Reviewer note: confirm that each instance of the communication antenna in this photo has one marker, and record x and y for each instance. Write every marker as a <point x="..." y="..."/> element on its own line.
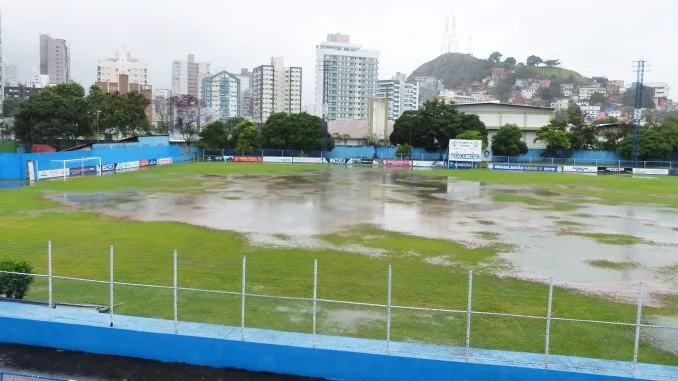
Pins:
<point x="470" y="45"/>
<point x="640" y="68"/>
<point x="444" y="47"/>
<point x="453" y="45"/>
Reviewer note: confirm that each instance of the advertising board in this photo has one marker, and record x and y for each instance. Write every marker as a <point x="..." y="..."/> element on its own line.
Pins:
<point x="651" y="171"/>
<point x="164" y="160"/>
<point x="460" y="164"/>
<point x="126" y="165"/>
<point x="277" y="159"/>
<point x="108" y="168"/>
<point x="579" y="169"/>
<point x="525" y="168"/>
<point x="248" y="159"/>
<point x="673" y="172"/>
<point x="361" y="161"/>
<point x="143" y="163"/>
<point x="397" y="163"/>
<point x="336" y="160"/>
<point x="213" y="158"/>
<point x="615" y="170"/>
<point x="152" y="162"/>
<point x="53" y="173"/>
<point x="308" y="160"/>
<point x="83" y="171"/>
<point x="465" y="150"/>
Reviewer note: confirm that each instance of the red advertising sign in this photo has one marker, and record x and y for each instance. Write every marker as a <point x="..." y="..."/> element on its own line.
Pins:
<point x="397" y="163"/>
<point x="143" y="163"/>
<point x="248" y="159"/>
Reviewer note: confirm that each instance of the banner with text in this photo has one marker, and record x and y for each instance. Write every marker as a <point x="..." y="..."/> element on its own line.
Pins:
<point x="165" y="161"/>
<point x="428" y="164"/>
<point x="460" y="165"/>
<point x="465" y="150"/>
<point x="308" y="160"/>
<point x="248" y="159"/>
<point x="579" y="169"/>
<point x="397" y="163"/>
<point x="126" y="165"/>
<point x="651" y="171"/>
<point x="611" y="170"/>
<point x="673" y="172"/>
<point x="337" y="160"/>
<point x="84" y="171"/>
<point x="277" y="159"/>
<point x="53" y="173"/>
<point x="525" y="168"/>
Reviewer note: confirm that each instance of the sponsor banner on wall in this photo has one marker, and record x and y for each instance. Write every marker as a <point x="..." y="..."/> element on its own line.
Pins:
<point x="397" y="163"/>
<point x="362" y="161"/>
<point x="53" y="173"/>
<point x="651" y="171"/>
<point x="673" y="172"/>
<point x="615" y="170"/>
<point x="308" y="160"/>
<point x="277" y="159"/>
<point x="108" y="167"/>
<point x="152" y="162"/>
<point x="580" y="169"/>
<point x="336" y="160"/>
<point x="213" y="158"/>
<point x="525" y="168"/>
<point x="227" y="158"/>
<point x="126" y="165"/>
<point x="164" y="160"/>
<point x="83" y="171"/>
<point x="428" y="164"/>
<point x="465" y="150"/>
<point x="460" y="165"/>
<point x="143" y="163"/>
<point x="248" y="159"/>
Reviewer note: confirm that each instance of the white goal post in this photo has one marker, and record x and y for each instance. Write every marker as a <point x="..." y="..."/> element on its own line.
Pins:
<point x="82" y="161"/>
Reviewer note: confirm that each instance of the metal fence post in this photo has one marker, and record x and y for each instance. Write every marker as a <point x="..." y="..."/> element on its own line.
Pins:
<point x="551" y="161"/>
<point x="548" y="325"/>
<point x="639" y="316"/>
<point x="49" y="275"/>
<point x="176" y="292"/>
<point x="111" y="285"/>
<point x="388" y="311"/>
<point x="315" y="297"/>
<point x="468" y="314"/>
<point x="242" y="306"/>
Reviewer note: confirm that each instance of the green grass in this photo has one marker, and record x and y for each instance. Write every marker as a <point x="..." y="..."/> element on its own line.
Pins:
<point x="613" y="265"/>
<point x="212" y="259"/>
<point x="486" y="222"/>
<point x="536" y="202"/>
<point x="560" y="73"/>
<point x="608" y="239"/>
<point x="569" y="223"/>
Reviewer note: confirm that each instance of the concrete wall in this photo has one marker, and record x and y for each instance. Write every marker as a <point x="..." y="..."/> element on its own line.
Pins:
<point x="281" y="359"/>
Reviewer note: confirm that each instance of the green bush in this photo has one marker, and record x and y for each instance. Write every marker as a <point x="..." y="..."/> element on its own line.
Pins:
<point x="15" y="285"/>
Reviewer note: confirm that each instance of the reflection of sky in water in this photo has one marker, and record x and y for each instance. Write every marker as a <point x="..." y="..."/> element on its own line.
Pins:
<point x="403" y="202"/>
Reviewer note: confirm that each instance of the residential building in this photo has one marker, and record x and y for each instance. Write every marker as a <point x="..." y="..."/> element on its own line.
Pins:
<point x="19" y="91"/>
<point x="585" y="92"/>
<point x="346" y="78"/>
<point x="187" y="76"/>
<point x="357" y="132"/>
<point x="401" y="96"/>
<point x="560" y="104"/>
<point x="495" y="115"/>
<point x="221" y="95"/>
<point x="38" y="80"/>
<point x="451" y="96"/>
<point x="429" y="87"/>
<point x="110" y="69"/>
<point x="245" y="78"/>
<point x="55" y="59"/>
<point x="661" y="93"/>
<point x="275" y="88"/>
<point x="591" y="113"/>
<point x="615" y="86"/>
<point x="123" y="84"/>
<point x="9" y="76"/>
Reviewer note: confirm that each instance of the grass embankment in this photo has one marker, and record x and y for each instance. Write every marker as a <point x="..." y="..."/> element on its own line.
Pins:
<point x="426" y="273"/>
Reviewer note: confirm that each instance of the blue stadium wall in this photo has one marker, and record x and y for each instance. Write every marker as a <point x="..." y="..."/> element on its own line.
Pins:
<point x="280" y="359"/>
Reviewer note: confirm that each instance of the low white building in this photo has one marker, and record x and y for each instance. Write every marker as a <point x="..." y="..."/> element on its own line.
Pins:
<point x="495" y="115"/>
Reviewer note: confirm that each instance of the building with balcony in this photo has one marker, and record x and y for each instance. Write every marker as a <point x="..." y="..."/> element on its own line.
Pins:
<point x="221" y="95"/>
<point x="187" y="76"/>
<point x="401" y="96"/>
<point x="275" y="88"/>
<point x="110" y="69"/>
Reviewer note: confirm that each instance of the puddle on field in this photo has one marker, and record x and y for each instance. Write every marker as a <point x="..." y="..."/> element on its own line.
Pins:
<point x="291" y="210"/>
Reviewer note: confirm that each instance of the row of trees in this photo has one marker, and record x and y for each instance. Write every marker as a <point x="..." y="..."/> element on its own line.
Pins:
<point x="281" y="131"/>
<point x="62" y="115"/>
<point x="533" y="60"/>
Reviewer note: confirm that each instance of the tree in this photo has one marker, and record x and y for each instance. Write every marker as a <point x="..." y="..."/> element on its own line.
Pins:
<point x="433" y="125"/>
<point x="552" y="63"/>
<point x="162" y="109"/>
<point x="472" y="135"/>
<point x="556" y="139"/>
<point x="15" y="285"/>
<point x="404" y="150"/>
<point x="510" y="61"/>
<point x="246" y="136"/>
<point x="296" y="131"/>
<point x="495" y="57"/>
<point x="10" y="105"/>
<point x="187" y="109"/>
<point x="600" y="99"/>
<point x="534" y="61"/>
<point x="509" y="141"/>
<point x="219" y="134"/>
<point x="669" y="130"/>
<point x="582" y="136"/>
<point x="653" y="145"/>
<point x="552" y="92"/>
<point x="648" y="95"/>
<point x="57" y="115"/>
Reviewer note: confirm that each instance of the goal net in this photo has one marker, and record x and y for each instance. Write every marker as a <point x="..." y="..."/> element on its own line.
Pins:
<point x="80" y="167"/>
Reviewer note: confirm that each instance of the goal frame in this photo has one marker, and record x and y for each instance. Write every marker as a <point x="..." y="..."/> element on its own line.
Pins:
<point x="82" y="161"/>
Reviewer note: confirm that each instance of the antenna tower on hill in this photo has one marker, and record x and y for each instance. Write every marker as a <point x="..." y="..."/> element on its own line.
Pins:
<point x="450" y="44"/>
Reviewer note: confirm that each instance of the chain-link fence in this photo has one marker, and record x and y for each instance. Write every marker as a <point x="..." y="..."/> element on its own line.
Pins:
<point x="574" y="161"/>
<point x="626" y="328"/>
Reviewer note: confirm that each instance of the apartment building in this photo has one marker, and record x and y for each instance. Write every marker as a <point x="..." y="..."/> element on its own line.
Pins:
<point x="221" y="95"/>
<point x="275" y="88"/>
<point x="245" y="78"/>
<point x="9" y="74"/>
<point x="188" y="75"/>
<point x="110" y="69"/>
<point x="55" y="59"/>
<point x="346" y="77"/>
<point x="123" y="84"/>
<point x="401" y="96"/>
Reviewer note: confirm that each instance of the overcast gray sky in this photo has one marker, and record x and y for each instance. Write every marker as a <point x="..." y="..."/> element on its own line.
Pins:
<point x="593" y="37"/>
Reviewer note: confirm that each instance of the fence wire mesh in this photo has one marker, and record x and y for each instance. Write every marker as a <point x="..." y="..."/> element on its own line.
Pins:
<point x="538" y="322"/>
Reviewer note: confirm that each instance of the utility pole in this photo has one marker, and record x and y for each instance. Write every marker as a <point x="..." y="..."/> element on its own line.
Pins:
<point x="637" y="108"/>
<point x="326" y="83"/>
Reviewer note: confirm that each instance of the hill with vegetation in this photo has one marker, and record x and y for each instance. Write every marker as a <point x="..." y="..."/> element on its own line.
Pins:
<point x="455" y="69"/>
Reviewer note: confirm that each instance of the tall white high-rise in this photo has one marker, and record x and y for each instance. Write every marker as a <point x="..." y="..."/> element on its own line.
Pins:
<point x="221" y="95"/>
<point x="350" y="73"/>
<point x="109" y="69"/>
<point x="187" y="76"/>
<point x="55" y="59"/>
<point x="9" y="75"/>
<point x="245" y="78"/>
<point x="401" y="96"/>
<point x="275" y="88"/>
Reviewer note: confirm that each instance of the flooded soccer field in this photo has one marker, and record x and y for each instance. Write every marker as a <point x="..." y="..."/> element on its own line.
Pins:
<point x="513" y="232"/>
